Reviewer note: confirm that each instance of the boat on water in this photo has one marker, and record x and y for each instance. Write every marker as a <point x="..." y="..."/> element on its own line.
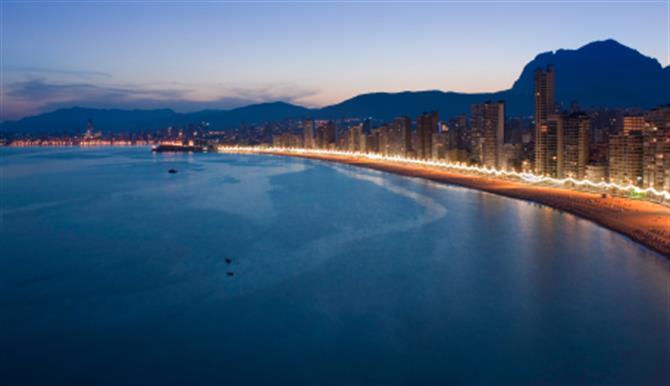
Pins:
<point x="177" y="148"/>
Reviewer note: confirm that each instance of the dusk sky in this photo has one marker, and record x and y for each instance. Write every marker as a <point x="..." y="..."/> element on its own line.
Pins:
<point x="190" y="56"/>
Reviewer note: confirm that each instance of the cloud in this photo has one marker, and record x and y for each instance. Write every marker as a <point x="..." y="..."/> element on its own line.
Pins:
<point x="42" y="90"/>
<point x="57" y="71"/>
<point x="41" y="95"/>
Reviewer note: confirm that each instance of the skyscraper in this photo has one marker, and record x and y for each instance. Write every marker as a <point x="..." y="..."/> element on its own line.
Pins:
<point x="426" y="125"/>
<point x="659" y="117"/>
<point x="308" y="133"/>
<point x="625" y="158"/>
<point x="89" y="134"/>
<point x="488" y="119"/>
<point x="384" y="140"/>
<point x="656" y="148"/>
<point x="325" y="135"/>
<point x="575" y="145"/>
<point x="356" y="138"/>
<point x="544" y="106"/>
<point x="656" y="158"/>
<point x="633" y="122"/>
<point x="552" y="132"/>
<point x="400" y="136"/>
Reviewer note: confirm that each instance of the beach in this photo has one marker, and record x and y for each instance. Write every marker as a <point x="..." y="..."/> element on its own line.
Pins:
<point x="643" y="221"/>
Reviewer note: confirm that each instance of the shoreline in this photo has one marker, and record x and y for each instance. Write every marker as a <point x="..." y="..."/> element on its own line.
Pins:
<point x="645" y="222"/>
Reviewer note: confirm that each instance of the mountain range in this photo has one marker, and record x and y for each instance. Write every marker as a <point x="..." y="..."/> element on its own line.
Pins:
<point x="599" y="74"/>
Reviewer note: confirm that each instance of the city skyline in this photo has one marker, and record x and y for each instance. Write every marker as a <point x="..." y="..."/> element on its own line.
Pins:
<point x="357" y="192"/>
<point x="308" y="54"/>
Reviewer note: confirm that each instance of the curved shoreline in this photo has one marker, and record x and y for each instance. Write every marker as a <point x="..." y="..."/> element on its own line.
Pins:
<point x="644" y="222"/>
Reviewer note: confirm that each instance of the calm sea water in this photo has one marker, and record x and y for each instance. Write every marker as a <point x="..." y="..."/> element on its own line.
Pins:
<point x="113" y="271"/>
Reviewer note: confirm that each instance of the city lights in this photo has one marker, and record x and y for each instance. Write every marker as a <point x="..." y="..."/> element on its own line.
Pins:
<point x="526" y="177"/>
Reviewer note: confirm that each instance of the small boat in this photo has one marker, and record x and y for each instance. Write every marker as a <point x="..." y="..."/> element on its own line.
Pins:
<point x="229" y="273"/>
<point x="172" y="171"/>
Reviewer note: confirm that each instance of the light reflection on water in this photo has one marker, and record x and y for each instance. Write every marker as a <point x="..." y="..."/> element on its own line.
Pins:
<point x="341" y="275"/>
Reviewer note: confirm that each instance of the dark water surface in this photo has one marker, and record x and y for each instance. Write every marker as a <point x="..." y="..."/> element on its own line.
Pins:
<point x="113" y="271"/>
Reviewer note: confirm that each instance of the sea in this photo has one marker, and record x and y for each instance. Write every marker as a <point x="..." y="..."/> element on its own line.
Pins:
<point x="258" y="269"/>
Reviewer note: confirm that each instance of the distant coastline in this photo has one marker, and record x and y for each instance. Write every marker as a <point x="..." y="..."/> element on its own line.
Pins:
<point x="645" y="222"/>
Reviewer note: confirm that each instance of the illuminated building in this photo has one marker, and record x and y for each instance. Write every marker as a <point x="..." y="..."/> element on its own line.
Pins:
<point x="384" y="141"/>
<point x="488" y="121"/>
<point x="549" y="139"/>
<point x="367" y="126"/>
<point x="575" y="145"/>
<point x="440" y="145"/>
<point x="625" y="158"/>
<point x="286" y="140"/>
<point x="659" y="117"/>
<point x="90" y="134"/>
<point x="400" y="136"/>
<point x="308" y="133"/>
<point x="356" y="138"/>
<point x="426" y="124"/>
<point x="633" y="122"/>
<point x="89" y="129"/>
<point x="656" y="158"/>
<point x="511" y="156"/>
<point x="524" y="176"/>
<point x="372" y="142"/>
<point x="325" y="135"/>
<point x="544" y="106"/>
<point x="596" y="172"/>
<point x="656" y="148"/>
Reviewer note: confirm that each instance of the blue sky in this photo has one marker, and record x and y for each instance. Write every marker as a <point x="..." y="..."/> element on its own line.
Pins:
<point x="190" y="56"/>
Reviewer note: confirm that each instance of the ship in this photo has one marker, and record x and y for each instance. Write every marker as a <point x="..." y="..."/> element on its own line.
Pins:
<point x="178" y="148"/>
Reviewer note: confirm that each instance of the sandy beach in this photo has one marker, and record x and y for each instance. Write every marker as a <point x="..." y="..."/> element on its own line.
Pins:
<point x="643" y="221"/>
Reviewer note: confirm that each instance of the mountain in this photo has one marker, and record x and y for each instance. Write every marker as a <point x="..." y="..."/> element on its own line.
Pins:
<point x="599" y="74"/>
<point x="261" y="112"/>
<point x="411" y="103"/>
<point x="74" y="119"/>
<point x="603" y="73"/>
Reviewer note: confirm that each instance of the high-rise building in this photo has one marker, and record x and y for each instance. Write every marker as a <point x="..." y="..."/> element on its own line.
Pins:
<point x="549" y="147"/>
<point x="545" y="105"/>
<point x="440" y="145"/>
<point x="488" y="119"/>
<point x="356" y="138"/>
<point x="633" y="122"/>
<point x="656" y="148"/>
<point x="625" y="158"/>
<point x="90" y="132"/>
<point x="287" y="140"/>
<point x="512" y="156"/>
<point x="372" y="141"/>
<point x="325" y="135"/>
<point x="575" y="145"/>
<point x="659" y="117"/>
<point x="89" y="129"/>
<point x="384" y="140"/>
<point x="656" y="158"/>
<point x="308" y="133"/>
<point x="596" y="172"/>
<point x="367" y="126"/>
<point x="400" y="136"/>
<point x="426" y="124"/>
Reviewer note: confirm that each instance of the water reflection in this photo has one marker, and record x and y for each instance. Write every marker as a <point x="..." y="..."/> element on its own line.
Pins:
<point x="341" y="275"/>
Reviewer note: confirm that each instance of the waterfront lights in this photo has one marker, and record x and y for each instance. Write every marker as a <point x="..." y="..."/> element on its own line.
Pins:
<point x="524" y="176"/>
